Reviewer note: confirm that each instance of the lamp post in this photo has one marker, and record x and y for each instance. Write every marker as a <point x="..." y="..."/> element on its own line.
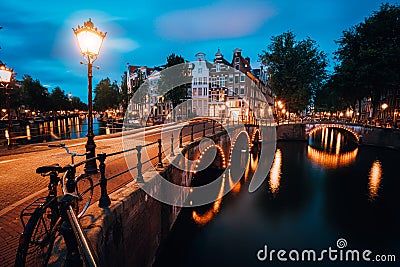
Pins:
<point x="384" y="106"/>
<point x="90" y="41"/>
<point x="5" y="78"/>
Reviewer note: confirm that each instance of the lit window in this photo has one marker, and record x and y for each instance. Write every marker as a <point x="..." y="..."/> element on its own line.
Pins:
<point x="242" y="90"/>
<point x="221" y="96"/>
<point x="213" y="81"/>
<point x="222" y="81"/>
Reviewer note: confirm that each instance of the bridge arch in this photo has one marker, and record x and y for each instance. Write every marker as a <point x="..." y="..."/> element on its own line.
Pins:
<point x="220" y="151"/>
<point x="243" y="132"/>
<point x="256" y="135"/>
<point x="336" y="126"/>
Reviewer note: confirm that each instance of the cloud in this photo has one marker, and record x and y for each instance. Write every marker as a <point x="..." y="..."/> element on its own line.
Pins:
<point x="225" y="19"/>
<point x="121" y="44"/>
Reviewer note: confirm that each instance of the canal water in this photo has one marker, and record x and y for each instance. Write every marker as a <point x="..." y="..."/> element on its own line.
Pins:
<point x="327" y="194"/>
<point x="58" y="129"/>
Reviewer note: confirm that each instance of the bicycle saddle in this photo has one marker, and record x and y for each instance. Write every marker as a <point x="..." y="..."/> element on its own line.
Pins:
<point x="49" y="168"/>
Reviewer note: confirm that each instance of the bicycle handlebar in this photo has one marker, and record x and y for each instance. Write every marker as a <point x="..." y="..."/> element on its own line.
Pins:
<point x="68" y="151"/>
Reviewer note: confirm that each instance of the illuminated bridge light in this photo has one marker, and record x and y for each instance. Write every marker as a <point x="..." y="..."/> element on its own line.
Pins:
<point x="323" y="127"/>
<point x="253" y="137"/>
<point x="219" y="148"/>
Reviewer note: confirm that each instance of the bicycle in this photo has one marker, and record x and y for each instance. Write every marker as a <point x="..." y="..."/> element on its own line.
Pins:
<point x="84" y="183"/>
<point x="48" y="216"/>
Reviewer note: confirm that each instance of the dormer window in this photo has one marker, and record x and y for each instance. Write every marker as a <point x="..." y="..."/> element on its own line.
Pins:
<point x="237" y="60"/>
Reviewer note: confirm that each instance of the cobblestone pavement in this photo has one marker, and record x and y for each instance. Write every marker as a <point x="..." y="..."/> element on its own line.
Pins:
<point x="20" y="185"/>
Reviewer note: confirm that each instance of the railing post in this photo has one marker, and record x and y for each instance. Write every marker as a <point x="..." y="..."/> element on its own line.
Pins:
<point x="160" y="164"/>
<point x="104" y="201"/>
<point x="213" y="129"/>
<point x="180" y="138"/>
<point x="139" y="165"/>
<point x="191" y="134"/>
<point x="172" y="146"/>
<point x="204" y="128"/>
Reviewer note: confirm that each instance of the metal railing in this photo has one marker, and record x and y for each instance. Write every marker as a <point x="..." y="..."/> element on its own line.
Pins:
<point x="188" y="133"/>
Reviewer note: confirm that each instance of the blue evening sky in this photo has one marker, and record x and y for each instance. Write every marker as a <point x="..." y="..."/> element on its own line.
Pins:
<point x="37" y="37"/>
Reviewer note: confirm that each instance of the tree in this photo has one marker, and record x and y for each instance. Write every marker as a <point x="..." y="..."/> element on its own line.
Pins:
<point x="125" y="97"/>
<point x="37" y="96"/>
<point x="167" y="80"/>
<point x="297" y="69"/>
<point x="106" y="95"/>
<point x="328" y="98"/>
<point x="369" y="57"/>
<point x="59" y="100"/>
<point x="76" y="103"/>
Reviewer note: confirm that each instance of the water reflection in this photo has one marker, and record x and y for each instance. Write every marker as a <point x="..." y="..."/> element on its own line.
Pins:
<point x="330" y="148"/>
<point x="204" y="218"/>
<point x="28" y="132"/>
<point x="275" y="173"/>
<point x="57" y="129"/>
<point x="328" y="160"/>
<point x="235" y="188"/>
<point x="375" y="176"/>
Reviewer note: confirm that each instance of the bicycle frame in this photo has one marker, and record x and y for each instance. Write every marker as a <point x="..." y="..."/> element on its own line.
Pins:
<point x="63" y="220"/>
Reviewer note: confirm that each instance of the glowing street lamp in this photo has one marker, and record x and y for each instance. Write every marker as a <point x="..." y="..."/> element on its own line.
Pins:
<point x="384" y="106"/>
<point x="5" y="75"/>
<point x="5" y="79"/>
<point x="90" y="41"/>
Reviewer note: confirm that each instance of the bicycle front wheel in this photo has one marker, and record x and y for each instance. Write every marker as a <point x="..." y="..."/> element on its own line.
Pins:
<point x="36" y="242"/>
<point x="83" y="190"/>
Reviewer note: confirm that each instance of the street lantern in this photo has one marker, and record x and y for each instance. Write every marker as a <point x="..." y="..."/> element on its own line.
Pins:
<point x="384" y="106"/>
<point x="90" y="41"/>
<point x="5" y="75"/>
<point x="5" y="79"/>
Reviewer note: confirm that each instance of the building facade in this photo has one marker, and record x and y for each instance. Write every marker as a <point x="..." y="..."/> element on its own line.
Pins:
<point x="200" y="85"/>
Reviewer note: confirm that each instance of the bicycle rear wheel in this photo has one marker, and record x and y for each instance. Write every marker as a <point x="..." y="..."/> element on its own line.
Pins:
<point x="36" y="242"/>
<point x="84" y="191"/>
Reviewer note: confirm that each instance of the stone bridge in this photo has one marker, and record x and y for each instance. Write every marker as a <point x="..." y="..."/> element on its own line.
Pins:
<point x="364" y="135"/>
<point x="355" y="130"/>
